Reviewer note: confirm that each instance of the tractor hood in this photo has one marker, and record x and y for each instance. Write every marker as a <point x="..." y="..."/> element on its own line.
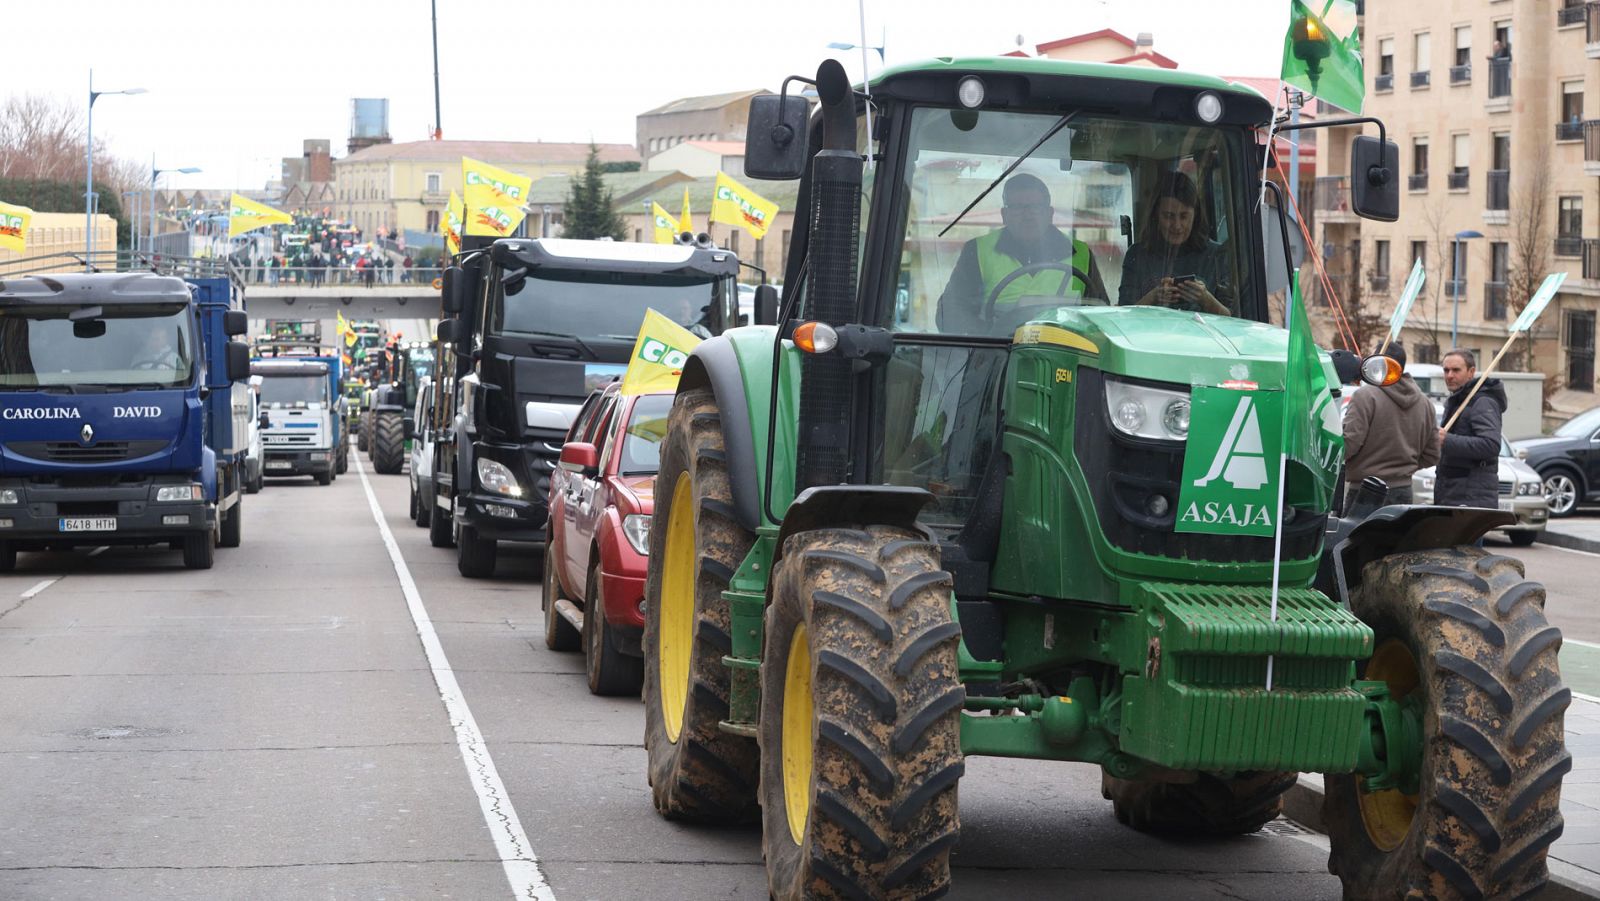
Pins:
<point x="1165" y="345"/>
<point x="143" y="431"/>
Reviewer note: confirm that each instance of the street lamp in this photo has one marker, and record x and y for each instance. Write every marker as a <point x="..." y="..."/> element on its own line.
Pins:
<point x="88" y="188"/>
<point x="1459" y="281"/>
<point x="544" y="221"/>
<point x="155" y="175"/>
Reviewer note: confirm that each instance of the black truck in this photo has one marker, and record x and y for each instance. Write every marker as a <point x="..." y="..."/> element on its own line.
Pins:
<point x="533" y="325"/>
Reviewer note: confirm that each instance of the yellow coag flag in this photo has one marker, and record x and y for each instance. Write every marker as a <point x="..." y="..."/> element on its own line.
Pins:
<point x="494" y="198"/>
<point x="666" y="227"/>
<point x="450" y="225"/>
<point x="686" y="221"/>
<point x="341" y="327"/>
<point x="736" y="204"/>
<point x="658" y="356"/>
<point x="14" y="226"/>
<point x="245" y="215"/>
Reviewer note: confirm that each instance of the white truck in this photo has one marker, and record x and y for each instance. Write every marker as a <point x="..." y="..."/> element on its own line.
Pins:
<point x="302" y="419"/>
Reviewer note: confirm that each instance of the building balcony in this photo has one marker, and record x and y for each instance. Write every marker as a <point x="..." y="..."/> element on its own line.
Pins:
<point x="1569" y="246"/>
<point x="1571" y="14"/>
<point x="1461" y="74"/>
<point x="1569" y="131"/>
<point x="1499" y="86"/>
<point x="1455" y="289"/>
<point x="1497" y="201"/>
<point x="1383" y="84"/>
<point x="1591" y="29"/>
<point x="1421" y="79"/>
<point x="1494" y="301"/>
<point x="1378" y="284"/>
<point x="1458" y="180"/>
<point x="1591" y="147"/>
<point x="1418" y="181"/>
<point x="1331" y="199"/>
<point x="1591" y="259"/>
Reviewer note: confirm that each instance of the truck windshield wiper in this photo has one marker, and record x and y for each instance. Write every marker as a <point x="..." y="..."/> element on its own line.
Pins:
<point x="1049" y="133"/>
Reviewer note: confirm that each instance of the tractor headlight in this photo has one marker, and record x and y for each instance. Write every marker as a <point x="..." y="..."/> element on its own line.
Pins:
<point x="636" y="527"/>
<point x="495" y="477"/>
<point x="1146" y="412"/>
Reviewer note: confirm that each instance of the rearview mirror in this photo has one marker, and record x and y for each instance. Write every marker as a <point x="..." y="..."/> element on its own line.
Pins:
<point x="453" y="294"/>
<point x="775" y="138"/>
<point x="238" y="361"/>
<point x="235" y="322"/>
<point x="579" y="457"/>
<point x="766" y="305"/>
<point x="448" y="331"/>
<point x="1374" y="186"/>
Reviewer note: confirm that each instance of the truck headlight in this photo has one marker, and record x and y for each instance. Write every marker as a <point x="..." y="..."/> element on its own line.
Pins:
<point x="636" y="526"/>
<point x="1147" y="412"/>
<point x="496" y="477"/>
<point x="9" y="496"/>
<point x="179" y="493"/>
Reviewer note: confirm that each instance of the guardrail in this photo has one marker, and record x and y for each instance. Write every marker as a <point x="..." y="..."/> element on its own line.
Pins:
<point x="1499" y="183"/>
<point x="1591" y="258"/>
<point x="314" y="276"/>
<point x="1461" y="74"/>
<point x="1569" y="131"/>
<point x="1421" y="79"/>
<point x="1569" y="246"/>
<point x="1383" y="83"/>
<point x="1571" y="14"/>
<point x="1458" y="181"/>
<point x="1499" y="78"/>
<point x="1418" y="181"/>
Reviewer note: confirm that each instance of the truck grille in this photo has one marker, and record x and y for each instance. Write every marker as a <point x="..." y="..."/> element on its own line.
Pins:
<point x="73" y="452"/>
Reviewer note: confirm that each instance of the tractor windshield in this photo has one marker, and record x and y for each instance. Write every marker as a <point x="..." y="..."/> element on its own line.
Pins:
<point x="1104" y="212"/>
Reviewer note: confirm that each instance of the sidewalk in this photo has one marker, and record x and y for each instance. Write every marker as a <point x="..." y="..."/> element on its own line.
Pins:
<point x="1575" y="857"/>
<point x="1580" y="533"/>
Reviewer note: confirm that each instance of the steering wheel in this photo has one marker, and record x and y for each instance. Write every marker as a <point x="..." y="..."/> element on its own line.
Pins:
<point x="990" y="302"/>
<point x="153" y="364"/>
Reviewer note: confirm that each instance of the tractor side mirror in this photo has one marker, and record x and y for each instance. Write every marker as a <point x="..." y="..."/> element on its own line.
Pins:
<point x="766" y="305"/>
<point x="238" y="361"/>
<point x="447" y="330"/>
<point x="580" y="457"/>
<point x="1374" y="184"/>
<point x="235" y="322"/>
<point x="453" y="294"/>
<point x="775" y="139"/>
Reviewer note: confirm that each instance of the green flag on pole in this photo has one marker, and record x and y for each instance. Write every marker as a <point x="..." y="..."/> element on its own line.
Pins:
<point x="1312" y="434"/>
<point x="1322" y="52"/>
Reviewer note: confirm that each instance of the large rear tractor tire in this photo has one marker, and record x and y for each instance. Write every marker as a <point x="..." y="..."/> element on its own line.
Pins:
<point x="1210" y="805"/>
<point x="363" y="426"/>
<point x="697" y="771"/>
<point x="860" y="727"/>
<point x="388" y="443"/>
<point x="233" y="526"/>
<point x="610" y="671"/>
<point x="1462" y="634"/>
<point x="558" y="633"/>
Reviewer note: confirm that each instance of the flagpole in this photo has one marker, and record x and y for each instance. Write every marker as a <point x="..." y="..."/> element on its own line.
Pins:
<point x="1277" y="551"/>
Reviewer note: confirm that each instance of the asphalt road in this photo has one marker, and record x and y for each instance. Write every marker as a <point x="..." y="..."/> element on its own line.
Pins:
<point x="274" y="728"/>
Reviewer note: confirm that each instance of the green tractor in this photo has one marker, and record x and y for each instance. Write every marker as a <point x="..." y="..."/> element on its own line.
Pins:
<point x="390" y="416"/>
<point x="1005" y="481"/>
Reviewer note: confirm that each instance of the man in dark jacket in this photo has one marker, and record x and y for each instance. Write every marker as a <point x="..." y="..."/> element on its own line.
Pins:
<point x="1390" y="433"/>
<point x="1469" y="453"/>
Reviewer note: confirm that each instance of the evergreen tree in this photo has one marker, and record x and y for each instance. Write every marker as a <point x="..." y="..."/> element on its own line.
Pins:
<point x="588" y="212"/>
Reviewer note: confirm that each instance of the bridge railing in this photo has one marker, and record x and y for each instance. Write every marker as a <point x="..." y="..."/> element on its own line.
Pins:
<point x="326" y="276"/>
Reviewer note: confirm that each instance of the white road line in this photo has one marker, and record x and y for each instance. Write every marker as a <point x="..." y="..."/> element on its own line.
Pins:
<point x="1590" y="698"/>
<point x="1587" y="644"/>
<point x="516" y="854"/>
<point x="1572" y="550"/>
<point x="31" y="593"/>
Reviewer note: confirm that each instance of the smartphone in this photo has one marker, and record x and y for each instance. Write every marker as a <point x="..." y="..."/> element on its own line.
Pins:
<point x="1180" y="279"/>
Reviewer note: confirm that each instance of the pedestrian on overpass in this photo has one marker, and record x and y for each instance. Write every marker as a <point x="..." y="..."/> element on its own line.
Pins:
<point x="1469" y="455"/>
<point x="1390" y="433"/>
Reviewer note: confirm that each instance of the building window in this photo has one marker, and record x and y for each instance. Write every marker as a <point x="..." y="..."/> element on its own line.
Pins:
<point x="1419" y="164"/>
<point x="1569" y="226"/>
<point x="733" y="241"/>
<point x="434" y="180"/>
<point x="1419" y="253"/>
<point x="1460" y="160"/>
<point x="1494" y="293"/>
<point x="1463" y="45"/>
<point x="785" y="248"/>
<point x="1426" y="353"/>
<point x="1579" y="345"/>
<point x="1386" y="56"/>
<point x="1380" y="259"/>
<point x="433" y="221"/>
<point x="638" y="236"/>
<point x="1421" y="59"/>
<point x="1571" y="111"/>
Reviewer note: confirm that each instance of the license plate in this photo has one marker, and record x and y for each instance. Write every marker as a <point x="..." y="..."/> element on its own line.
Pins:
<point x="279" y="464"/>
<point x="88" y="524"/>
<point x="1505" y="505"/>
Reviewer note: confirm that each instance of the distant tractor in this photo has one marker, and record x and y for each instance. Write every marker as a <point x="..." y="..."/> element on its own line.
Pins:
<point x="394" y="400"/>
<point x="1004" y="481"/>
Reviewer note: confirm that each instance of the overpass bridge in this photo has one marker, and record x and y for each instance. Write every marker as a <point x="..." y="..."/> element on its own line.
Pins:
<point x="354" y="301"/>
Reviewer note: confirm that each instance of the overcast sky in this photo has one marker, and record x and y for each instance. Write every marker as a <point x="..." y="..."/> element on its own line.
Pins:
<point x="236" y="84"/>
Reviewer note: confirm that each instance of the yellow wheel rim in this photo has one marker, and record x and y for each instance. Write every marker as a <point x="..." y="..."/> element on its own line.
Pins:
<point x="797" y="734"/>
<point x="676" y="635"/>
<point x="1387" y="815"/>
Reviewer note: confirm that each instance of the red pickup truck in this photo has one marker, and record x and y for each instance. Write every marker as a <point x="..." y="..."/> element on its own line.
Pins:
<point x="601" y="498"/>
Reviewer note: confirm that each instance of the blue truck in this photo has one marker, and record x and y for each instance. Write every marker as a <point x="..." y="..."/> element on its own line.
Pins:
<point x="119" y="420"/>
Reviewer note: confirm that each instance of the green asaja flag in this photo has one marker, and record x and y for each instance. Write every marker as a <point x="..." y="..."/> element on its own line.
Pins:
<point x="1312" y="434"/>
<point x="1322" y="52"/>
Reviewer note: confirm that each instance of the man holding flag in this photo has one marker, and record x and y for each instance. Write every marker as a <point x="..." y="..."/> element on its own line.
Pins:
<point x="1470" y="449"/>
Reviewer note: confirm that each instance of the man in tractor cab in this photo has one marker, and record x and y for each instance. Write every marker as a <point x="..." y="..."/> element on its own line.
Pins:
<point x="1028" y="237"/>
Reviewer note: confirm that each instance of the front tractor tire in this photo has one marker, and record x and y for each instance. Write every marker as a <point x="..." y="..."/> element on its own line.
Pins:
<point x="388" y="442"/>
<point x="697" y="771"/>
<point x="860" y="730"/>
<point x="1462" y="631"/>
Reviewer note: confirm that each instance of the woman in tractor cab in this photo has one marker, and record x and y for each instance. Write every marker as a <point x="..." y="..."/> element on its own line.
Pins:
<point x="1176" y="265"/>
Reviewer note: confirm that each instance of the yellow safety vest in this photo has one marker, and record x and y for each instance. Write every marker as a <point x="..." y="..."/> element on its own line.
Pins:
<point x="995" y="264"/>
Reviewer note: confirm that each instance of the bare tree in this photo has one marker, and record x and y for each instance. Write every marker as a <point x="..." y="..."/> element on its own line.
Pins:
<point x="42" y="138"/>
<point x="1530" y="247"/>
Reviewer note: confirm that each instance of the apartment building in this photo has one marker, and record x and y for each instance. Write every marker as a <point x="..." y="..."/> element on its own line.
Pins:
<point x="1492" y="104"/>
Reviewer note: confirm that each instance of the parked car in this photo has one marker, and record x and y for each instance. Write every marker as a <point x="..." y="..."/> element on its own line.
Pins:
<point x="421" y="469"/>
<point x="1521" y="492"/>
<point x="1568" y="461"/>
<point x="601" y="498"/>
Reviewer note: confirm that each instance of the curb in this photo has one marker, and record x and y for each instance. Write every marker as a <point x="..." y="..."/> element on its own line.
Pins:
<point x="1568" y="540"/>
<point x="1302" y="803"/>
